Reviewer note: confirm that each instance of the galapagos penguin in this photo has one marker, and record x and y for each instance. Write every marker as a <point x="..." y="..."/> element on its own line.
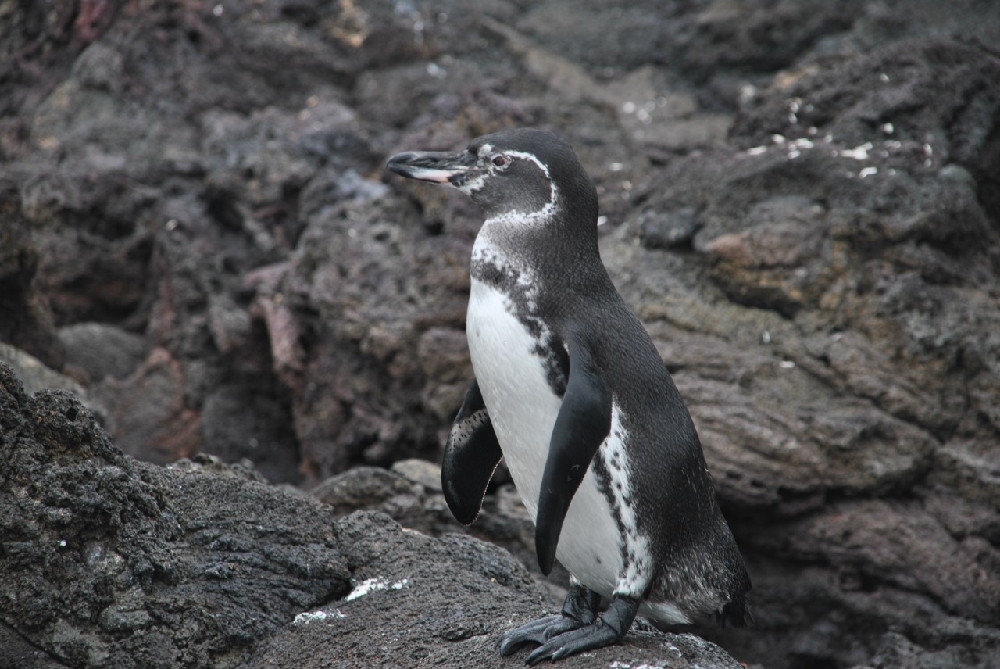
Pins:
<point x="571" y="392"/>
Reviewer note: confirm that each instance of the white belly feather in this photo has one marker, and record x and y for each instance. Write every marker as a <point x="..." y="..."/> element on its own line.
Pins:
<point x="523" y="409"/>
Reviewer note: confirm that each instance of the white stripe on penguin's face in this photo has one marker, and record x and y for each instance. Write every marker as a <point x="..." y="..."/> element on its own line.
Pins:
<point x="515" y="217"/>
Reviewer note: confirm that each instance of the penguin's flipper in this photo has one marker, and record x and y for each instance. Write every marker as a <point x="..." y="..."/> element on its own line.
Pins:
<point x="470" y="457"/>
<point x="583" y="422"/>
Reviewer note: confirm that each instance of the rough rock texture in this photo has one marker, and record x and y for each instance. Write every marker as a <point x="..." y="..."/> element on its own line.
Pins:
<point x="106" y="561"/>
<point x="801" y="199"/>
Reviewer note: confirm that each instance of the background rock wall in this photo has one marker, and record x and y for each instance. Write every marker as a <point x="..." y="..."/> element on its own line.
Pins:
<point x="800" y="199"/>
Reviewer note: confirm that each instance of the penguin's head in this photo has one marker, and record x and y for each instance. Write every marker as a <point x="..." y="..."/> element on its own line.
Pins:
<point x="522" y="174"/>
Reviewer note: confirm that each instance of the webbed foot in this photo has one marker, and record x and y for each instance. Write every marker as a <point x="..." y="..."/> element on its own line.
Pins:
<point x="579" y="610"/>
<point x="609" y="628"/>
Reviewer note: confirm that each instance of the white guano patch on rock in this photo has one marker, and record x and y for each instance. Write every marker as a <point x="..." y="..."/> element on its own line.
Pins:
<point x="370" y="585"/>
<point x="316" y="616"/>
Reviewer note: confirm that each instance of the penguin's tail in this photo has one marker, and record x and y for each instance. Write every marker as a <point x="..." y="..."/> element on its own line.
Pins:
<point x="736" y="613"/>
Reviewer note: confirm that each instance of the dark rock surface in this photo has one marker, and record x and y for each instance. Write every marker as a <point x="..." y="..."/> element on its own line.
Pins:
<point x="801" y="200"/>
<point x="106" y="561"/>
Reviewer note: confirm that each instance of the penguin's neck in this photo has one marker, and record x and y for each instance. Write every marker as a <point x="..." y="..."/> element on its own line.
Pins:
<point x="509" y="250"/>
<point x="499" y="261"/>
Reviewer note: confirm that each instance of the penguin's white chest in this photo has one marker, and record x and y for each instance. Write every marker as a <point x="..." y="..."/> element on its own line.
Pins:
<point x="523" y="409"/>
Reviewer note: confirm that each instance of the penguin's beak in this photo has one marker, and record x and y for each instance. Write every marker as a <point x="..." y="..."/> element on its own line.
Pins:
<point x="433" y="166"/>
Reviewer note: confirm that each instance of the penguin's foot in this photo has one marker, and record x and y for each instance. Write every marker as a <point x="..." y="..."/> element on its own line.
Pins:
<point x="579" y="610"/>
<point x="610" y="627"/>
<point x="537" y="632"/>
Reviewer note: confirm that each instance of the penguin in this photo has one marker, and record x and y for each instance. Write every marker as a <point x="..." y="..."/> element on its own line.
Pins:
<point x="570" y="391"/>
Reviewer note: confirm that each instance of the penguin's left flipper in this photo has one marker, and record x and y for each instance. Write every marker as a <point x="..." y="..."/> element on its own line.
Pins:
<point x="470" y="457"/>
<point x="583" y="422"/>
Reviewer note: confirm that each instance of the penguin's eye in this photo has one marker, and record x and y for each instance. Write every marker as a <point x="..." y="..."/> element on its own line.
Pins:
<point x="501" y="160"/>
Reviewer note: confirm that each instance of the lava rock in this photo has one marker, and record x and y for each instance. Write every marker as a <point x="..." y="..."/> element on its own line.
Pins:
<point x="108" y="561"/>
<point x="96" y="351"/>
<point x="828" y="309"/>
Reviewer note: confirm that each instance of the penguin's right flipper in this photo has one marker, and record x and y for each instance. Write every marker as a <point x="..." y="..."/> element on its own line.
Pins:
<point x="470" y="457"/>
<point x="583" y="422"/>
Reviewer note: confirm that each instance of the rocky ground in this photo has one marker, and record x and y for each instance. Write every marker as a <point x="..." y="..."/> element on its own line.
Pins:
<point x="800" y="199"/>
